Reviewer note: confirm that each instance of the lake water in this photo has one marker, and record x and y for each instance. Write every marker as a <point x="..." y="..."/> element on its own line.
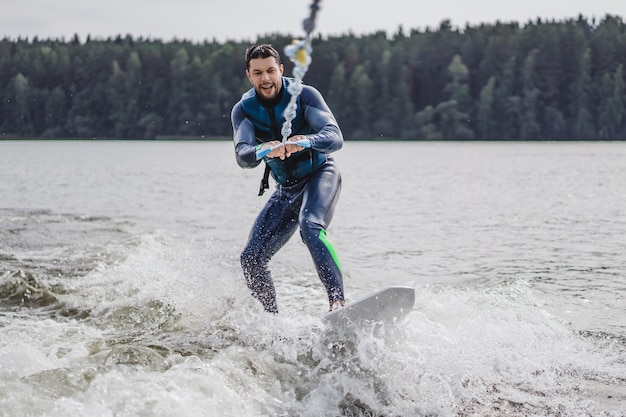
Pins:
<point x="121" y="292"/>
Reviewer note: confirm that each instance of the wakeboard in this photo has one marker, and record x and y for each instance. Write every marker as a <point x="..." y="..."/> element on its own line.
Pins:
<point x="385" y="305"/>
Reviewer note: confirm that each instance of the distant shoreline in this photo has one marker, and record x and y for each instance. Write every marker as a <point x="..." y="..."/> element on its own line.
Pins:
<point x="224" y="139"/>
<point x="157" y="139"/>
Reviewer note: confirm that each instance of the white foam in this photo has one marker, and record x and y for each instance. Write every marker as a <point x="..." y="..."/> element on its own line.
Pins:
<point x="173" y="331"/>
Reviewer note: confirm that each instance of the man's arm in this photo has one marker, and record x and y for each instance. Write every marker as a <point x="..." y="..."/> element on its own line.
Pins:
<point x="328" y="137"/>
<point x="244" y="139"/>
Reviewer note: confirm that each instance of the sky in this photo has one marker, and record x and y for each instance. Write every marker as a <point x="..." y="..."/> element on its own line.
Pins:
<point x="244" y="20"/>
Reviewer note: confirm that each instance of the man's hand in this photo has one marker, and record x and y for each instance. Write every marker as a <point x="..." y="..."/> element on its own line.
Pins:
<point x="292" y="147"/>
<point x="273" y="149"/>
<point x="276" y="149"/>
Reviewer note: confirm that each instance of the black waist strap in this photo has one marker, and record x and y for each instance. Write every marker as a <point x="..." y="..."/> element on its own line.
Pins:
<point x="265" y="181"/>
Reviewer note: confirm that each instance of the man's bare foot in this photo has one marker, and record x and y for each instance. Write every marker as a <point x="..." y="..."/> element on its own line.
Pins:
<point x="337" y="304"/>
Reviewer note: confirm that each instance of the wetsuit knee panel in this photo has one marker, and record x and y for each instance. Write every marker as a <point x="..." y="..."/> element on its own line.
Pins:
<point x="309" y="229"/>
<point x="314" y="236"/>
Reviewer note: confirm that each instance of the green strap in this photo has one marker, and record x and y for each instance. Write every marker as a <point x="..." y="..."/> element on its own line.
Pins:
<point x="330" y="247"/>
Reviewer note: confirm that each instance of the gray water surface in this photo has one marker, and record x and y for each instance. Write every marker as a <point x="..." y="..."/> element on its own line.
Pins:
<point x="121" y="292"/>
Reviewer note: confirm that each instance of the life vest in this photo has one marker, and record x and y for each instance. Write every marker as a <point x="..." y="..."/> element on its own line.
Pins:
<point x="268" y="120"/>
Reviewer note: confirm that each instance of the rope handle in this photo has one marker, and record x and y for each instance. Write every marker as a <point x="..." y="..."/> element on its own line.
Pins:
<point x="263" y="152"/>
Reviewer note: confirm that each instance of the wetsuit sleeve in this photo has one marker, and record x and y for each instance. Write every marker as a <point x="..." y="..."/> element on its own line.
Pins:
<point x="243" y="137"/>
<point x="328" y="137"/>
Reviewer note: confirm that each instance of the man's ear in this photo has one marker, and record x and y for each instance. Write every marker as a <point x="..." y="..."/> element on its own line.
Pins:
<point x="248" y="75"/>
<point x="282" y="69"/>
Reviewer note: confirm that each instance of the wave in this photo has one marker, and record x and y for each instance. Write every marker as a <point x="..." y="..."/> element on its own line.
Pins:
<point x="20" y="288"/>
<point x="168" y="327"/>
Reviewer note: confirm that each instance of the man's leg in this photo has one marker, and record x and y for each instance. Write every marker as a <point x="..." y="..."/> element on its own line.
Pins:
<point x="275" y="224"/>
<point x="318" y="206"/>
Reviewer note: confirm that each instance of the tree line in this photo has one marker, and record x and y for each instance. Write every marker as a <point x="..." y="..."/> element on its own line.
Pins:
<point x="544" y="80"/>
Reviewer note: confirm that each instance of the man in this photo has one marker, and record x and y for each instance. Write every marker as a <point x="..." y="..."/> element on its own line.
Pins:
<point x="308" y="180"/>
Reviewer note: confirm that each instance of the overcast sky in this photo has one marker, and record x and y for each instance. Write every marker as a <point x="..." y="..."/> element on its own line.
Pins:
<point x="199" y="20"/>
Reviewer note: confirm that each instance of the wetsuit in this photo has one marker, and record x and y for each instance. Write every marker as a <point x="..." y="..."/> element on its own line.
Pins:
<point x="308" y="187"/>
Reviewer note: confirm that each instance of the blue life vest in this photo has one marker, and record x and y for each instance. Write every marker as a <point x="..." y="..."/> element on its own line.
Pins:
<point x="268" y="120"/>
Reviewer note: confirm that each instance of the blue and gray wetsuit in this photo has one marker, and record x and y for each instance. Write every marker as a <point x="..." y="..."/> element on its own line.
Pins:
<point x="308" y="187"/>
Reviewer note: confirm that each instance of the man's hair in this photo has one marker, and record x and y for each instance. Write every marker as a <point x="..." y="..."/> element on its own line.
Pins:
<point x="264" y="50"/>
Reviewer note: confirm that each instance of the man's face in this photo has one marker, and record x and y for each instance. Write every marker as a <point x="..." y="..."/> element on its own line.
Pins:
<point x="265" y="75"/>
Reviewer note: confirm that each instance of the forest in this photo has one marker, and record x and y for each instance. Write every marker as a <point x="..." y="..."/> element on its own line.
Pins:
<point x="541" y="80"/>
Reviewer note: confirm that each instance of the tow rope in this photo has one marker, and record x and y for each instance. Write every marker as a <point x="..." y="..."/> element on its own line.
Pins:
<point x="299" y="52"/>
